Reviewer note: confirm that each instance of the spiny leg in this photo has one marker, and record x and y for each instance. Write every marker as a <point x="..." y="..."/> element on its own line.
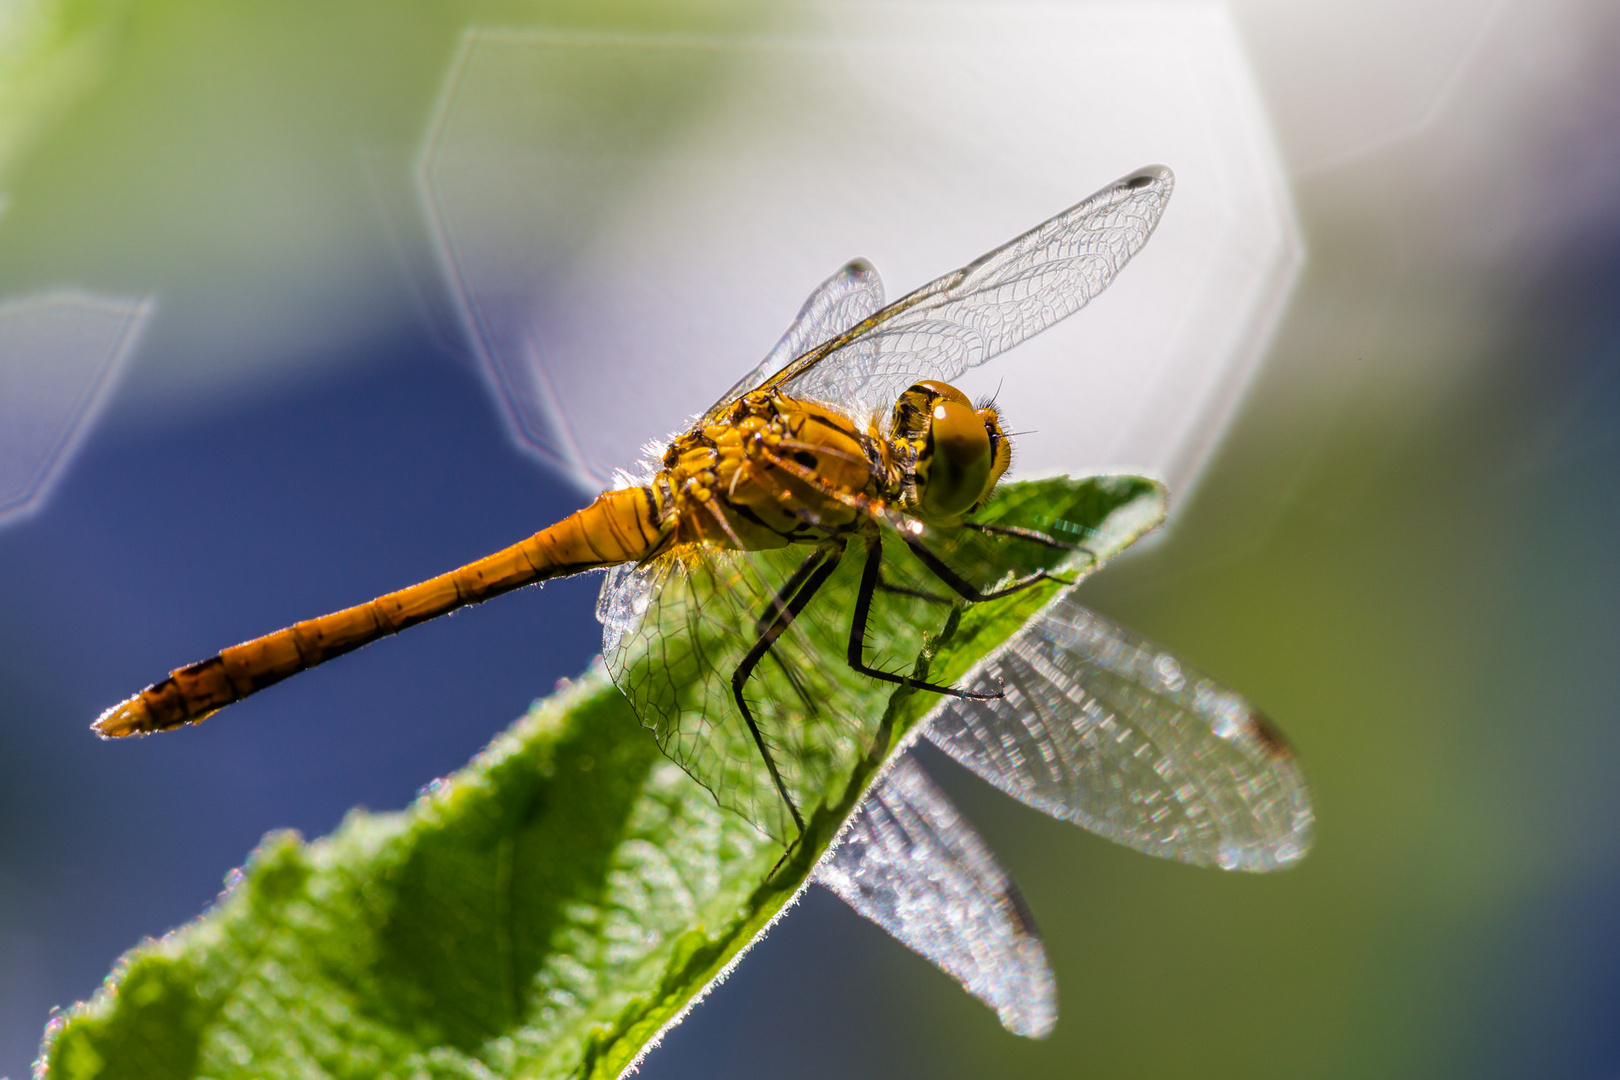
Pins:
<point x="784" y="595"/>
<point x="965" y="589"/>
<point x="811" y="709"/>
<point x="884" y="586"/>
<point x="857" y="633"/>
<point x="1034" y="536"/>
<point x="826" y="562"/>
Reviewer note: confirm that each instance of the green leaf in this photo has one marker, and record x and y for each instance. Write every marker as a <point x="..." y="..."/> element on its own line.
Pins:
<point x="545" y="912"/>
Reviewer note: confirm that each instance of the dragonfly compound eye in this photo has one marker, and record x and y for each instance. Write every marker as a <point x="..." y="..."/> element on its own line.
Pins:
<point x="955" y="462"/>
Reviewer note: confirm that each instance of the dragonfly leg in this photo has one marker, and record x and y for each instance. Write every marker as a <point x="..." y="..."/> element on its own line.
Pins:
<point x="820" y="566"/>
<point x="904" y="590"/>
<point x="1034" y="536"/>
<point x="857" y="634"/>
<point x="810" y="707"/>
<point x="778" y="605"/>
<point x="784" y="595"/>
<point x="965" y="589"/>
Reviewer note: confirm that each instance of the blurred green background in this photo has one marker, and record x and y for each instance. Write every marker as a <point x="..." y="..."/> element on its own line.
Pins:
<point x="1404" y="551"/>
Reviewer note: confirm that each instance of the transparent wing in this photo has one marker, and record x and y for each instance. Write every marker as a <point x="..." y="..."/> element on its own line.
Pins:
<point x="989" y="305"/>
<point x="911" y="864"/>
<point x="675" y="632"/>
<point x="844" y="299"/>
<point x="1104" y="729"/>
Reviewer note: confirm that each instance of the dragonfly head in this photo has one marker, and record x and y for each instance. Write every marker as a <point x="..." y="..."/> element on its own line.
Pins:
<point x="959" y="452"/>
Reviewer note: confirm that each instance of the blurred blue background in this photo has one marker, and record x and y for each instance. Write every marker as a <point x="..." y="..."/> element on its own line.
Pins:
<point x="1404" y="551"/>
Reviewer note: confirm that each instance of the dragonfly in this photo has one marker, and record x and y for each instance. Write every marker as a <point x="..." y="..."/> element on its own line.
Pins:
<point x="770" y="570"/>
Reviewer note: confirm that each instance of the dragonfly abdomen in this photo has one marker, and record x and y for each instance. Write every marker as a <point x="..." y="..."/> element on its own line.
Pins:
<point x="618" y="527"/>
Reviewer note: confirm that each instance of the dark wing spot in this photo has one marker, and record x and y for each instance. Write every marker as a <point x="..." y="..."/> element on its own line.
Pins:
<point x="1019" y="910"/>
<point x="1267" y="732"/>
<point x="1134" y="183"/>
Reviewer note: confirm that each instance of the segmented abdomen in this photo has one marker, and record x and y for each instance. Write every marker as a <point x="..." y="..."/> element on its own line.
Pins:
<point x="619" y="526"/>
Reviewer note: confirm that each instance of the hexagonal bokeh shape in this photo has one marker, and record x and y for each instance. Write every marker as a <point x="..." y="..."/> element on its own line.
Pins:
<point x="628" y="223"/>
<point x="59" y="355"/>
<point x="1332" y="111"/>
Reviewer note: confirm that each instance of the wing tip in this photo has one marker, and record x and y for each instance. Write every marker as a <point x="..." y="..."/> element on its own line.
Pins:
<point x="1269" y="736"/>
<point x="1146" y="176"/>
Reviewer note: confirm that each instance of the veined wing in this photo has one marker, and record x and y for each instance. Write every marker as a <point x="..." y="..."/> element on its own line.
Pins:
<point x="1104" y="729"/>
<point x="910" y="863"/>
<point x="986" y="307"/>
<point x="675" y="631"/>
<point x="851" y="294"/>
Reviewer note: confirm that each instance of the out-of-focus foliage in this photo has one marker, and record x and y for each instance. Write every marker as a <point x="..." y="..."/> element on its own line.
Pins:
<point x="51" y="51"/>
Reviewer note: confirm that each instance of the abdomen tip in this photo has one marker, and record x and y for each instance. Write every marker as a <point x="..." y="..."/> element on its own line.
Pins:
<point x="125" y="718"/>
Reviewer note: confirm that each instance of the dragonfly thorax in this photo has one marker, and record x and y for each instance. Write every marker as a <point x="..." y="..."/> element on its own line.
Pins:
<point x="775" y="471"/>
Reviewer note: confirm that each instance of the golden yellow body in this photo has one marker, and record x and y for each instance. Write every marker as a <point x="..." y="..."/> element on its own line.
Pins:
<point x="777" y="471"/>
<point x="793" y="456"/>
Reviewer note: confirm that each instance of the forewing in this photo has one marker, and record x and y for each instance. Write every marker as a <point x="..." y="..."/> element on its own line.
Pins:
<point x="675" y="632"/>
<point x="989" y="305"/>
<point x="1102" y="728"/>
<point x="844" y="299"/>
<point x="910" y="863"/>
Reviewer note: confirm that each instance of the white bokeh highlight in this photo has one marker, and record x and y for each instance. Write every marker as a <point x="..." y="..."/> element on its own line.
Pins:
<point x="1359" y="78"/>
<point x="628" y="223"/>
